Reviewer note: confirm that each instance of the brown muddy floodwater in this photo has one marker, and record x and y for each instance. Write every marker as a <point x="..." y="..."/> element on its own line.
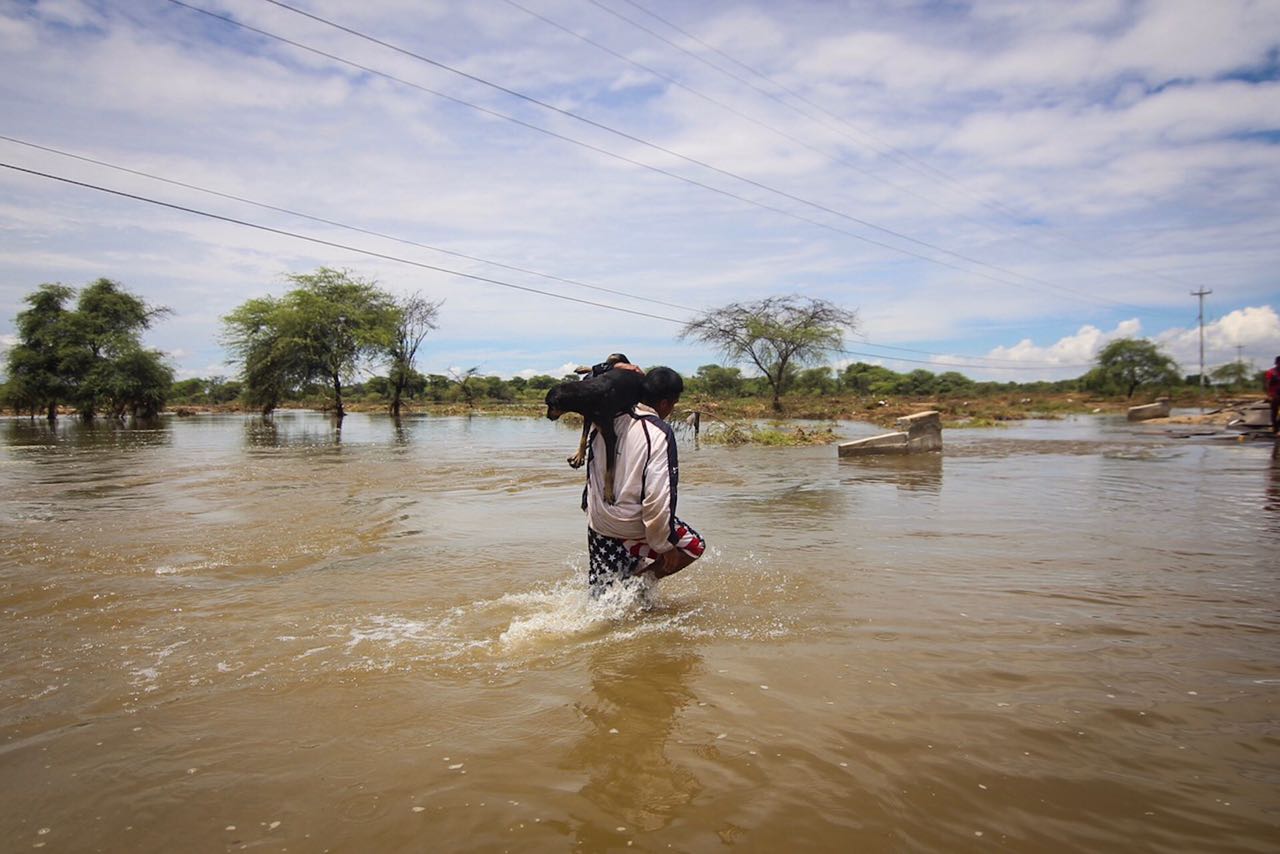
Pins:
<point x="222" y="633"/>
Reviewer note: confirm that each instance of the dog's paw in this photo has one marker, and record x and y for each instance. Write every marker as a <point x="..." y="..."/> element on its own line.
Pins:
<point x="576" y="461"/>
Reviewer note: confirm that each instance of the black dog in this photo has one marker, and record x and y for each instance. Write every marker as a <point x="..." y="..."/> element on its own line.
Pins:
<point x="598" y="399"/>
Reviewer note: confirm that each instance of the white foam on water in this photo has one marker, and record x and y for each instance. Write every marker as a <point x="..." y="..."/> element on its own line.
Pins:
<point x="569" y="610"/>
<point x="147" y="677"/>
<point x="516" y="627"/>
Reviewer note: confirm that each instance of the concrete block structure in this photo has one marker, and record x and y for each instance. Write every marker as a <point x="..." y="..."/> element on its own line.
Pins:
<point x="916" y="433"/>
<point x="1159" y="409"/>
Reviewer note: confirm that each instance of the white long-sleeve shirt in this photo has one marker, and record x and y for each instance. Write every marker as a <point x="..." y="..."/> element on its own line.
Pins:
<point x="645" y="478"/>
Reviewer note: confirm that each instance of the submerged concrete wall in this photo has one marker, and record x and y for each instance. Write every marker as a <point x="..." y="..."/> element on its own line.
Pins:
<point x="919" y="432"/>
<point x="1159" y="409"/>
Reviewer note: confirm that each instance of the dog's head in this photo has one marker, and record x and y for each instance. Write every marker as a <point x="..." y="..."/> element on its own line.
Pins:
<point x="554" y="409"/>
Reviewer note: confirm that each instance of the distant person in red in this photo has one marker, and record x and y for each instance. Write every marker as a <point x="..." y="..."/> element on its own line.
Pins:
<point x="1271" y="382"/>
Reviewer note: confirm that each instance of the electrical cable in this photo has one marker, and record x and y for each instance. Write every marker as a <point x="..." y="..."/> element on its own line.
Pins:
<point x="335" y="245"/>
<point x="878" y="146"/>
<point x="606" y="153"/>
<point x="982" y="358"/>
<point x="834" y="158"/>
<point x="337" y="224"/>
<point x="669" y="152"/>
<point x="944" y="364"/>
<point x="391" y="237"/>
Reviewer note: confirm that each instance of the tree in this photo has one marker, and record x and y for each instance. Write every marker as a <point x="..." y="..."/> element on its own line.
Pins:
<point x="864" y="378"/>
<point x="112" y="371"/>
<point x="953" y="382"/>
<point x="816" y="380"/>
<point x="91" y="357"/>
<point x="36" y="364"/>
<point x="1235" y="375"/>
<point x="134" y="382"/>
<point x="918" y="383"/>
<point x="1127" y="363"/>
<point x="718" y="381"/>
<point x="323" y="331"/>
<point x="466" y="382"/>
<point x="542" y="381"/>
<point x="775" y="334"/>
<point x="271" y="365"/>
<point x="417" y="317"/>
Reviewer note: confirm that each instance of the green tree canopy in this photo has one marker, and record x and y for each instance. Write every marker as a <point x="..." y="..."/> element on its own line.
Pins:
<point x="1235" y="374"/>
<point x="776" y="334"/>
<point x="90" y="356"/>
<point x="37" y="364"/>
<point x="325" y="330"/>
<point x="718" y="380"/>
<point x="1129" y="363"/>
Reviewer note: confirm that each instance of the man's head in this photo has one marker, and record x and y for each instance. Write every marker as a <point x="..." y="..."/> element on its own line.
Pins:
<point x="662" y="388"/>
<point x="1278" y="361"/>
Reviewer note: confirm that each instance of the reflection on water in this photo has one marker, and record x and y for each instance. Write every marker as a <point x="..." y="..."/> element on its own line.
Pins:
<point x="71" y="433"/>
<point x="636" y="696"/>
<point x="915" y="472"/>
<point x="378" y="637"/>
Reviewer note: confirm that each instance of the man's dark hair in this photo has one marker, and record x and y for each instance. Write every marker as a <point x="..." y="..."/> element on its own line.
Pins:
<point x="662" y="383"/>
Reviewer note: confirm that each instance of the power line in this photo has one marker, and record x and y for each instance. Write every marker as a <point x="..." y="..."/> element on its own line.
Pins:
<point x="357" y="229"/>
<point x="335" y="245"/>
<point x="877" y="145"/>
<point x="950" y="364"/>
<point x="983" y="358"/>
<point x="605" y="152"/>
<point x="337" y="224"/>
<point x="834" y="158"/>
<point x="662" y="149"/>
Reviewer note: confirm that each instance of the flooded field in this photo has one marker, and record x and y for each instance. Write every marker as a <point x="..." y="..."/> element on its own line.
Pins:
<point x="224" y="633"/>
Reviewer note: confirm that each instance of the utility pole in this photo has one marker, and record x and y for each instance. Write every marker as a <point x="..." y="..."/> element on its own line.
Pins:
<point x="1202" y="293"/>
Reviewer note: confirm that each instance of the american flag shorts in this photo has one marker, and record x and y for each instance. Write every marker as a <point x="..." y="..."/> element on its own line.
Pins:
<point x="610" y="559"/>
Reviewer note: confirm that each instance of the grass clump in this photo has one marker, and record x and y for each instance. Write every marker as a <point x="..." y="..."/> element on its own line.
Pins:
<point x="738" y="433"/>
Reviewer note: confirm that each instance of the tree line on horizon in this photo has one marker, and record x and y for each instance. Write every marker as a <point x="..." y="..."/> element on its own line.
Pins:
<point x="336" y="338"/>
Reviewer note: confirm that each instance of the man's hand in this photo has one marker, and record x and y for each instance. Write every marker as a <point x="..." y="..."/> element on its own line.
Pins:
<point x="627" y="366"/>
<point x="669" y="563"/>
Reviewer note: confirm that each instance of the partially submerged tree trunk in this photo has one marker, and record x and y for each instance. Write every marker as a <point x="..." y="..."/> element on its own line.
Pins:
<point x="397" y="390"/>
<point x="338" y="411"/>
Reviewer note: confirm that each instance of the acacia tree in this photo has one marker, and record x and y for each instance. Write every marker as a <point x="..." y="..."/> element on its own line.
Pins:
<point x="91" y="356"/>
<point x="1127" y="363"/>
<point x="271" y="365"/>
<point x="37" y="380"/>
<point x="418" y="316"/>
<point x="466" y="382"/>
<point x="111" y="369"/>
<point x="776" y="334"/>
<point x="1235" y="375"/>
<point x="325" y="330"/>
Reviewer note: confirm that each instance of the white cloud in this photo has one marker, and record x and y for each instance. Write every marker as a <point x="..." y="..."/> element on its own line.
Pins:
<point x="1251" y="333"/>
<point x="1072" y="350"/>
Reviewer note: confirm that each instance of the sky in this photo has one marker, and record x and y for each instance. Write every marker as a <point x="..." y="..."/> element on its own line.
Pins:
<point x="999" y="188"/>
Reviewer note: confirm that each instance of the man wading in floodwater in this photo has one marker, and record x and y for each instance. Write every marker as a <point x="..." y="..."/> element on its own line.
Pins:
<point x="641" y="525"/>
